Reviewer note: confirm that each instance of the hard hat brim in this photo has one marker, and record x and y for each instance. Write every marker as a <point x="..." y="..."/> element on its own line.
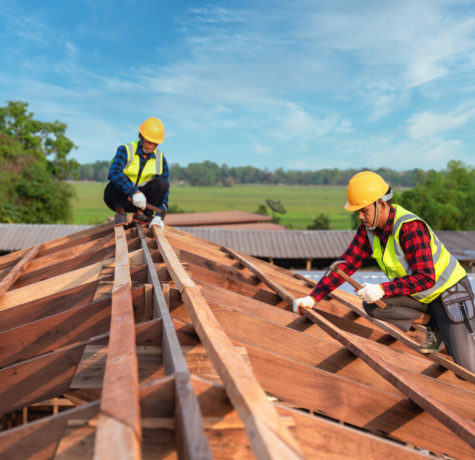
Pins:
<point x="152" y="139"/>
<point x="353" y="208"/>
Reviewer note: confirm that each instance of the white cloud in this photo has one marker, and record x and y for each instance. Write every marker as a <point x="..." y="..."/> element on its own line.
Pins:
<point x="427" y="124"/>
<point x="262" y="149"/>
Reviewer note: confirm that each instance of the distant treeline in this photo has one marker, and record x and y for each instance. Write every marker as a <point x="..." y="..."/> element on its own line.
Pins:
<point x="208" y="173"/>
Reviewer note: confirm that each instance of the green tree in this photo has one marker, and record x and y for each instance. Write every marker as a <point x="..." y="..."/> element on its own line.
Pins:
<point x="34" y="164"/>
<point x="320" y="222"/>
<point x="262" y="210"/>
<point x="446" y="199"/>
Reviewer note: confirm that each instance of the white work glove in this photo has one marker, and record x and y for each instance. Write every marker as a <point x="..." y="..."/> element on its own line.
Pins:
<point x="157" y="220"/>
<point x="307" y="302"/>
<point x="139" y="200"/>
<point x="370" y="293"/>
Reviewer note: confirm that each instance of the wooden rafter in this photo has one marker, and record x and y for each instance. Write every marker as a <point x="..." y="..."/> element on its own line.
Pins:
<point x="193" y="442"/>
<point x="18" y="269"/>
<point x="119" y="433"/>
<point x="465" y="430"/>
<point x="270" y="438"/>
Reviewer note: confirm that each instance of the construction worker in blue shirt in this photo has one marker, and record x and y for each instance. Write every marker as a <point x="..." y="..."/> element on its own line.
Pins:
<point x="139" y="175"/>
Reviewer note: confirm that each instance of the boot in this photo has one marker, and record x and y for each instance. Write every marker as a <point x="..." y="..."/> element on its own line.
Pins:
<point x="433" y="343"/>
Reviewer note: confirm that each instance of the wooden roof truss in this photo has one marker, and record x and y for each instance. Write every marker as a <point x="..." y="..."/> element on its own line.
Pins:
<point x="163" y="345"/>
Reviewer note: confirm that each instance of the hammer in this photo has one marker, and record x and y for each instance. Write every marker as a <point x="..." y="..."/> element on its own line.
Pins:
<point x="334" y="268"/>
<point x="150" y="206"/>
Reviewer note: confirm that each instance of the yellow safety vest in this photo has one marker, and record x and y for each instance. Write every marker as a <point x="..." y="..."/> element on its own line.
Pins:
<point x="393" y="262"/>
<point x="152" y="166"/>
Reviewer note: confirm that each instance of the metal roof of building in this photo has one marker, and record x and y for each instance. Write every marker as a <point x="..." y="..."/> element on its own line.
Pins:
<point x="214" y="218"/>
<point x="311" y="244"/>
<point x="293" y="244"/>
<point x="20" y="236"/>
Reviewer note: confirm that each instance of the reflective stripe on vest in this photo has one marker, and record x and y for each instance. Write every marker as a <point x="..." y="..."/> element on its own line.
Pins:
<point x="152" y="166"/>
<point x="394" y="263"/>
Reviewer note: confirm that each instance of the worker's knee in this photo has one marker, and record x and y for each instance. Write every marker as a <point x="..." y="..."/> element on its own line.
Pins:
<point x="370" y="308"/>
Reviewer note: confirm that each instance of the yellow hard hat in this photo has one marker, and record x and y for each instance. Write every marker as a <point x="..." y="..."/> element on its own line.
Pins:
<point x="365" y="188"/>
<point x="152" y="130"/>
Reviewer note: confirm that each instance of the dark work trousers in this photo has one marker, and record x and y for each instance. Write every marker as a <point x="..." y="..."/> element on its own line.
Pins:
<point x="153" y="190"/>
<point x="402" y="311"/>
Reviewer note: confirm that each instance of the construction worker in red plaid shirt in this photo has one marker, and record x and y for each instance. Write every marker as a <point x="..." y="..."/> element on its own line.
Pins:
<point x="424" y="278"/>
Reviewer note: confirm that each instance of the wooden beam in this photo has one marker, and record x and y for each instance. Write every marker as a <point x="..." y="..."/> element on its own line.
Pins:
<point x="53" y="332"/>
<point x="51" y="286"/>
<point x="398" y="335"/>
<point x="323" y="438"/>
<point x="354" y="403"/>
<point x="270" y="438"/>
<point x="441" y="412"/>
<point x="39" y="378"/>
<point x="49" y="305"/>
<point x="39" y="439"/>
<point x="74" y="325"/>
<point x="191" y="438"/>
<point x="279" y="290"/>
<point x="288" y="297"/>
<point x="328" y="439"/>
<point x="119" y="433"/>
<point x="18" y="269"/>
<point x="69" y="240"/>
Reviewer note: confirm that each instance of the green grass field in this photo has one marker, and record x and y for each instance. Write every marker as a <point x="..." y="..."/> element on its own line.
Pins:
<point x="302" y="203"/>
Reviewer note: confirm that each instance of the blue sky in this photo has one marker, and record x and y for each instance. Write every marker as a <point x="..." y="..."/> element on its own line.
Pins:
<point x="294" y="84"/>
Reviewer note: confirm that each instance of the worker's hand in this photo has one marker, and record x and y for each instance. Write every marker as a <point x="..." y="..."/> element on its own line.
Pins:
<point x="370" y="293"/>
<point x="157" y="220"/>
<point x="139" y="200"/>
<point x="308" y="302"/>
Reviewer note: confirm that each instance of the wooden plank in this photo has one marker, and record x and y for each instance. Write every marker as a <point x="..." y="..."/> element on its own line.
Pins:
<point x="39" y="439"/>
<point x="359" y="405"/>
<point x="246" y="330"/>
<point x="18" y="269"/>
<point x="38" y="379"/>
<point x="441" y="412"/>
<point x="191" y="439"/>
<point x="320" y="438"/>
<point x="77" y="324"/>
<point x="59" y="267"/>
<point x="270" y="438"/>
<point x="456" y="423"/>
<point x="398" y="335"/>
<point x="49" y="305"/>
<point x="119" y="433"/>
<point x="53" y="332"/>
<point x="279" y="290"/>
<point x="327" y="439"/>
<point x="288" y="297"/>
<point x="51" y="286"/>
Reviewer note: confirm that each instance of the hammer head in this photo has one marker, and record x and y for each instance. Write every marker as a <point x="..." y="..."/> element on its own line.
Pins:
<point x="335" y="264"/>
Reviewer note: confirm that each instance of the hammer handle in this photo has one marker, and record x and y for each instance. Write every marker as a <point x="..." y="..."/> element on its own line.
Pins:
<point x="356" y="285"/>
<point x="150" y="206"/>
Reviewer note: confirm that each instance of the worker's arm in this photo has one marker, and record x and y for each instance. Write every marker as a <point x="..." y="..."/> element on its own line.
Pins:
<point x="358" y="251"/>
<point x="414" y="239"/>
<point x="117" y="176"/>
<point x="164" y="204"/>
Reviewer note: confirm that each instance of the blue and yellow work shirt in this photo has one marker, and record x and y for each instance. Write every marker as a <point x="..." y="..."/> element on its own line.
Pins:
<point x="122" y="182"/>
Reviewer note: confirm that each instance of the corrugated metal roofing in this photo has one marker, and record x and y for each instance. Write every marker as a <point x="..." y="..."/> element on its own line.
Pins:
<point x="20" y="236"/>
<point x="313" y="244"/>
<point x="214" y="218"/>
<point x="281" y="245"/>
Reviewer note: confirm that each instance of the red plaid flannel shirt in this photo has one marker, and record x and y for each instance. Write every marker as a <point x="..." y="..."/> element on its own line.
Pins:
<point x="414" y="239"/>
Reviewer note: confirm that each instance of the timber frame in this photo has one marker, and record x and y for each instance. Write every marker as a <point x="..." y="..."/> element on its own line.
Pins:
<point x="158" y="344"/>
